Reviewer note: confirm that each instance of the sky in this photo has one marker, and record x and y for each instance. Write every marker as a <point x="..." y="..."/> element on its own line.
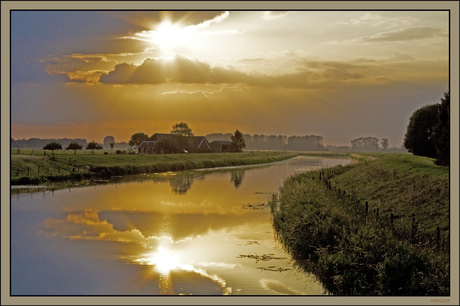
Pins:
<point x="338" y="74"/>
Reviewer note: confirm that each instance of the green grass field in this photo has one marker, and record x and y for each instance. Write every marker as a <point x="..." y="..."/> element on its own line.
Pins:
<point x="34" y="167"/>
<point x="379" y="226"/>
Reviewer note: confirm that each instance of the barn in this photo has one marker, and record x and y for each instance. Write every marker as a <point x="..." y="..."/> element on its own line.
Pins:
<point x="220" y="146"/>
<point x="198" y="144"/>
<point x="147" y="147"/>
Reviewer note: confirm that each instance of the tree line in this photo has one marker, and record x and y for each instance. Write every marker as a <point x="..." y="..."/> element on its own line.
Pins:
<point x="65" y="142"/>
<point x="275" y="142"/>
<point x="40" y="143"/>
<point x="428" y="132"/>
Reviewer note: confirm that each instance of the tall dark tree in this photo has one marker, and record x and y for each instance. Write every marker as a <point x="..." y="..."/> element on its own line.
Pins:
<point x="419" y="138"/>
<point x="384" y="143"/>
<point x="53" y="146"/>
<point x="74" y="146"/>
<point x="182" y="135"/>
<point x="93" y="146"/>
<point x="238" y="143"/>
<point x="137" y="139"/>
<point x="442" y="132"/>
<point x="181" y="129"/>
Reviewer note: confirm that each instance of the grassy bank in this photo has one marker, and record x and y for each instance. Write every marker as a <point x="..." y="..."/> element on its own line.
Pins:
<point x="376" y="227"/>
<point x="34" y="169"/>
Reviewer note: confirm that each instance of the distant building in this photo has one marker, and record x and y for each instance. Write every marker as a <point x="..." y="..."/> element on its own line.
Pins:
<point x="220" y="146"/>
<point x="198" y="143"/>
<point x="147" y="147"/>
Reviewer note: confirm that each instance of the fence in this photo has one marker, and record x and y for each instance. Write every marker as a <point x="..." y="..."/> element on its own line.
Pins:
<point x="47" y="170"/>
<point x="403" y="226"/>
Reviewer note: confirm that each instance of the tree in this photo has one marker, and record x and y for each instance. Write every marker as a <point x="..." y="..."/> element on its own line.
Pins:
<point x="111" y="145"/>
<point x="182" y="135"/>
<point x="181" y="129"/>
<point x="93" y="146"/>
<point x="365" y="144"/>
<point x="53" y="146"/>
<point x="442" y="132"/>
<point x="108" y="140"/>
<point x="384" y="143"/>
<point x="137" y="139"/>
<point x="74" y="146"/>
<point x="420" y="131"/>
<point x="165" y="146"/>
<point x="238" y="143"/>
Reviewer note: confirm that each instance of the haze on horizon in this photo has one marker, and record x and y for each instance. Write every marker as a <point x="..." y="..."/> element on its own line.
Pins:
<point x="336" y="74"/>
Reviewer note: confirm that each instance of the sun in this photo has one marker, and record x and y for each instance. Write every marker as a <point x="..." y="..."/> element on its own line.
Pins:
<point x="168" y="36"/>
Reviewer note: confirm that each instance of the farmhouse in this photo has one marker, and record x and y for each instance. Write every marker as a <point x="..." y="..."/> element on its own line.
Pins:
<point x="220" y="146"/>
<point x="198" y="143"/>
<point x="147" y="147"/>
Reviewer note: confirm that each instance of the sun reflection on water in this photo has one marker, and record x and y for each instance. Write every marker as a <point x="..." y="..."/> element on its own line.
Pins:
<point x="164" y="260"/>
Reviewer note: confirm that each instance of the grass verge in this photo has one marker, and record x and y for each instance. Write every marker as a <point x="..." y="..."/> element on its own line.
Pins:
<point x="33" y="169"/>
<point x="376" y="227"/>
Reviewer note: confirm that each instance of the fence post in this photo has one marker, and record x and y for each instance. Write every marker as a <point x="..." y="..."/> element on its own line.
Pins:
<point x="414" y="228"/>
<point x="28" y="171"/>
<point x="438" y="237"/>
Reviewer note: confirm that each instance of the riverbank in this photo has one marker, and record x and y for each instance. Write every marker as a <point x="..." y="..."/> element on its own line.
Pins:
<point x="36" y="169"/>
<point x="376" y="227"/>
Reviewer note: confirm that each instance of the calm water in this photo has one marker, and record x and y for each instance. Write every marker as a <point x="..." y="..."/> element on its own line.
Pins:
<point x="204" y="232"/>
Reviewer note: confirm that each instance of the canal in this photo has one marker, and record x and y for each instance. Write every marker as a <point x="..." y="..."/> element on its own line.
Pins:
<point x="202" y="232"/>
